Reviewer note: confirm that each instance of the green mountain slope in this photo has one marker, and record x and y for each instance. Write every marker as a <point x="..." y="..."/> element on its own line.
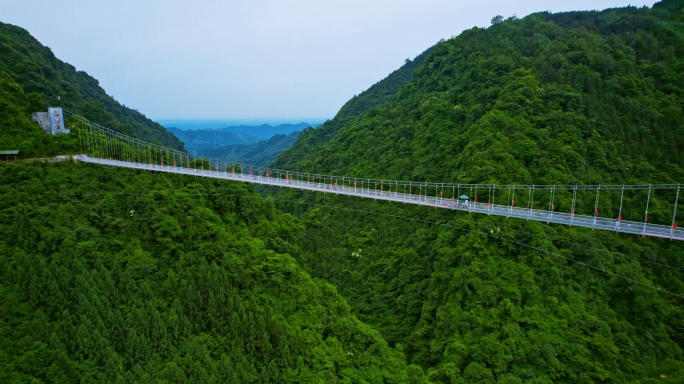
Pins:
<point x="44" y="77"/>
<point x="109" y="275"/>
<point x="581" y="97"/>
<point x="262" y="153"/>
<point x="115" y="276"/>
<point x="375" y="96"/>
<point x="598" y="91"/>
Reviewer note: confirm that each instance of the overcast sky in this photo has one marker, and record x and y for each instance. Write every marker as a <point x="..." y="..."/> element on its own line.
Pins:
<point x="258" y="59"/>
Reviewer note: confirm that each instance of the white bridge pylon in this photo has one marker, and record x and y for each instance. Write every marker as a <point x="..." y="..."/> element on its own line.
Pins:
<point x="104" y="146"/>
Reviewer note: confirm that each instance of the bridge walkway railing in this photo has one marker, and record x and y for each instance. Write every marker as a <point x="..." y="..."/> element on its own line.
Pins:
<point x="587" y="221"/>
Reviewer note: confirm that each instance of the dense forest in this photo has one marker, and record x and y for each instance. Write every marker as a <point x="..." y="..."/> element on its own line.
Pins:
<point x="119" y="276"/>
<point x="579" y="97"/>
<point x="115" y="275"/>
<point x="109" y="275"/>
<point x="43" y="78"/>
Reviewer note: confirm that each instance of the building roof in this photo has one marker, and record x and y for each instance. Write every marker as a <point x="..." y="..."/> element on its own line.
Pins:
<point x="10" y="152"/>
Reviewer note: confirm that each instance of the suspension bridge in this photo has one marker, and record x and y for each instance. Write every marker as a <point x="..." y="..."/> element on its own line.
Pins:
<point x="558" y="204"/>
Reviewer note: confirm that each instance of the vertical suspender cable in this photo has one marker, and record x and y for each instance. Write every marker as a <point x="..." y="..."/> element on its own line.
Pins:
<point x="598" y="191"/>
<point x="648" y="201"/>
<point x="529" y="198"/>
<point x="475" y="198"/>
<point x="112" y="146"/>
<point x="90" y="139"/>
<point x="622" y="197"/>
<point x="489" y="196"/>
<point x="105" y="144"/>
<point x="574" y="199"/>
<point x="553" y="190"/>
<point x="532" y="201"/>
<point x="674" y="214"/>
<point x="80" y="142"/>
<point x="103" y="139"/>
<point x="96" y="141"/>
<point x="108" y="152"/>
<point x="512" y="199"/>
<point x="85" y="139"/>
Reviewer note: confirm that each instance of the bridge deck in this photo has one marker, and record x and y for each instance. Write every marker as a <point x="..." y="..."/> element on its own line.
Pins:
<point x="602" y="223"/>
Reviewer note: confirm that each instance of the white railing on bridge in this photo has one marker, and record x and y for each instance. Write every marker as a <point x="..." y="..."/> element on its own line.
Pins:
<point x="547" y="216"/>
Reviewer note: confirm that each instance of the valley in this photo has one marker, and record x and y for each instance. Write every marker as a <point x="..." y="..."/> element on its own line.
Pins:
<point x="508" y="178"/>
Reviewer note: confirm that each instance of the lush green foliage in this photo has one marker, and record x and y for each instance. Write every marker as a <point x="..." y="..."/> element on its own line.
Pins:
<point x="109" y="275"/>
<point x="119" y="276"/>
<point x="262" y="153"/>
<point x="44" y="77"/>
<point x="582" y="97"/>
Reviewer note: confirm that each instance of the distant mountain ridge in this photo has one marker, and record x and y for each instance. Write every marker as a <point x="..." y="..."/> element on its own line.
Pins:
<point x="198" y="140"/>
<point x="266" y="130"/>
<point x="261" y="153"/>
<point x="204" y="123"/>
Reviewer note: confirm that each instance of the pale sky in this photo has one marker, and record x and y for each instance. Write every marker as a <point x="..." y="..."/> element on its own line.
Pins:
<point x="258" y="59"/>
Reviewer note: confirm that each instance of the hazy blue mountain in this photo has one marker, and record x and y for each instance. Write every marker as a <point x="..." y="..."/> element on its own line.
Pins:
<point x="189" y="124"/>
<point x="266" y="130"/>
<point x="261" y="153"/>
<point x="197" y="140"/>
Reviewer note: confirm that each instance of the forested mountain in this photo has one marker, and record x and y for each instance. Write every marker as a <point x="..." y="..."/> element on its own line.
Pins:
<point x="261" y="153"/>
<point x="579" y="97"/>
<point x="119" y="276"/>
<point x="43" y="78"/>
<point x="113" y="275"/>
